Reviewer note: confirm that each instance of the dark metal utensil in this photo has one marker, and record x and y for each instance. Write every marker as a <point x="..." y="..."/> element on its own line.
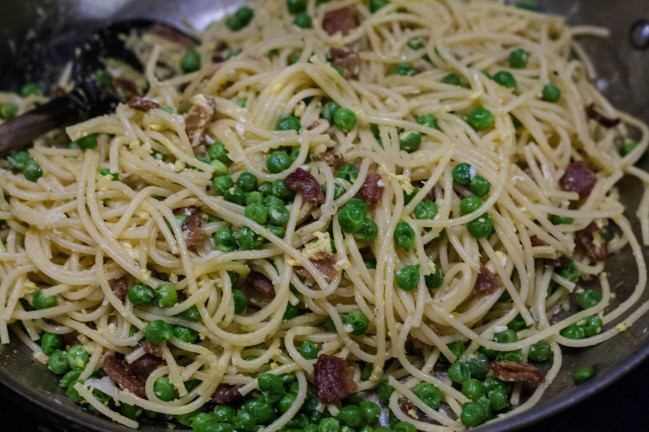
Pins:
<point x="89" y="97"/>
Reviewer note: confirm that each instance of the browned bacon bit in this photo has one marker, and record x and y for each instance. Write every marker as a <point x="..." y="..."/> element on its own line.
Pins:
<point x="192" y="226"/>
<point x="331" y="158"/>
<point x="142" y="367"/>
<point x="301" y="180"/>
<point x="172" y="35"/>
<point x="217" y="54"/>
<point x="578" y="178"/>
<point x="313" y="125"/>
<point x="125" y="88"/>
<point x="341" y="20"/>
<point x="607" y="122"/>
<point x="334" y="378"/>
<point x="537" y="241"/>
<point x="226" y="394"/>
<point x="260" y="284"/>
<point x="347" y="60"/>
<point x="197" y="120"/>
<point x="516" y="372"/>
<point x="142" y="103"/>
<point x="326" y="266"/>
<point x="119" y="287"/>
<point x="125" y="376"/>
<point x="562" y="261"/>
<point x="487" y="282"/>
<point x="409" y="409"/>
<point x="372" y="189"/>
<point x="592" y="242"/>
<point x="154" y="350"/>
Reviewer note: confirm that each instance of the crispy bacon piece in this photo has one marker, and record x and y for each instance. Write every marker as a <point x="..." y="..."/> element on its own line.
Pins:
<point x="193" y="225"/>
<point x="487" y="282"/>
<point x="142" y="104"/>
<point x="592" y="242"/>
<point x="334" y="378"/>
<point x="154" y="350"/>
<point x="578" y="178"/>
<point x="197" y="120"/>
<point x="126" y="87"/>
<point x="142" y="367"/>
<point x="537" y="241"/>
<point x="516" y="372"/>
<point x="347" y="60"/>
<point x="260" y="284"/>
<point x="217" y="54"/>
<point x="326" y="266"/>
<point x="607" y="122"/>
<point x="120" y="288"/>
<point x="372" y="189"/>
<point x="331" y="158"/>
<point x="341" y="20"/>
<point x="410" y="409"/>
<point x="226" y="394"/>
<point x="130" y="376"/>
<point x="302" y="181"/>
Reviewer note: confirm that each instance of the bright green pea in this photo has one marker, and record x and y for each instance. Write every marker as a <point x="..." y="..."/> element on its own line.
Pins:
<point x="584" y="374"/>
<point x="403" y="69"/>
<point x="410" y="141"/>
<point x="164" y="389"/>
<point x="57" y="362"/>
<point x="592" y="325"/>
<point x="352" y="215"/>
<point x="384" y="391"/>
<point x="512" y="356"/>
<point x="473" y="414"/>
<point x="191" y="61"/>
<point x="224" y="413"/>
<point x="224" y="239"/>
<point x="345" y="119"/>
<point x="203" y="422"/>
<point x="17" y="160"/>
<point x="351" y="416"/>
<point x="218" y="168"/>
<point x="357" y="321"/>
<point x="78" y="357"/>
<point x="235" y="194"/>
<point x="370" y="411"/>
<point x="191" y="314"/>
<point x="303" y="20"/>
<point x="573" y="331"/>
<point x="551" y="93"/>
<point x="248" y="239"/>
<point x="429" y="394"/>
<point x="257" y="212"/>
<point x="561" y="220"/>
<point x="85" y="143"/>
<point x="296" y="6"/>
<point x="517" y="324"/>
<point x="247" y="181"/>
<point x="452" y="79"/>
<point x="628" y="147"/>
<point x="481" y="227"/>
<point x="40" y="301"/>
<point x="404" y="427"/>
<point x="470" y="204"/>
<point x="240" y="301"/>
<point x="279" y="231"/>
<point x="105" y="172"/>
<point x="31" y="89"/>
<point x="570" y="272"/>
<point x="278" y="161"/>
<point x="72" y="393"/>
<point x="459" y="372"/>
<point x="498" y="400"/>
<point x="286" y="402"/>
<point x="348" y="172"/>
<point x="240" y="19"/>
<point x="271" y="386"/>
<point x="8" y="111"/>
<point x="434" y="279"/>
<point x="428" y="120"/>
<point x="404" y="235"/>
<point x="329" y="424"/>
<point x="540" y="352"/>
<point x="222" y="184"/>
<point x="288" y="123"/>
<point x="328" y="111"/>
<point x="478" y="365"/>
<point x="51" y="342"/>
<point x="507" y="336"/>
<point x="480" y="186"/>
<point x="492" y="383"/>
<point x="278" y="215"/>
<point x="217" y="151"/>
<point x="588" y="298"/>
<point x="480" y="119"/>
<point x="518" y="58"/>
<point x="185" y="334"/>
<point x="309" y="350"/>
<point x="368" y="230"/>
<point x="33" y="170"/>
<point x="416" y="43"/>
<point x="407" y="277"/>
<point x="505" y="79"/>
<point x="426" y="209"/>
<point x="457" y="348"/>
<point x="463" y="173"/>
<point x="158" y="331"/>
<point x="281" y="191"/>
<point x="375" y="5"/>
<point x="473" y="389"/>
<point x="244" y="421"/>
<point x="262" y="411"/>
<point x="166" y="295"/>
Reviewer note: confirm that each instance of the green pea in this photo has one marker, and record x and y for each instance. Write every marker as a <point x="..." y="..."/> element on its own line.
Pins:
<point x="31" y="89"/>
<point x="470" y="204"/>
<point x="256" y="212"/>
<point x="203" y="422"/>
<point x="570" y="272"/>
<point x="224" y="413"/>
<point x="288" y="123"/>
<point x="357" y="321"/>
<point x="218" y="168"/>
<point x="278" y="215"/>
<point x="588" y="298"/>
<point x="185" y="334"/>
<point x="296" y="6"/>
<point x="8" y="111"/>
<point x="463" y="173"/>
<point x="375" y="5"/>
<point x="166" y="295"/>
<point x="492" y="383"/>
<point x="498" y="399"/>
<point x="271" y="386"/>
<point x="309" y="350"/>
<point x="277" y="230"/>
<point x="429" y="394"/>
<point x="72" y="393"/>
<point x="51" y="342"/>
<point x="85" y="143"/>
<point x="224" y="239"/>
<point x="303" y="20"/>
<point x="78" y="357"/>
<point x="240" y="301"/>
<point x="190" y="61"/>
<point x="17" y="160"/>
<point x="410" y="141"/>
<point x="551" y="93"/>
<point x="628" y="147"/>
<point x="240" y="19"/>
<point x="248" y="239"/>
<point x="247" y="181"/>
<point x="434" y="279"/>
<point x="329" y="424"/>
<point x="280" y="191"/>
<point x="370" y="412"/>
<point x="344" y="119"/>
<point x="262" y="411"/>
<point x="505" y="79"/>
<point x="294" y="57"/>
<point x="407" y="277"/>
<point x="266" y="189"/>
<point x="480" y="119"/>
<point x="473" y="389"/>
<point x="416" y="43"/>
<point x="164" y="389"/>
<point x="57" y="362"/>
<point x="352" y="215"/>
<point x="478" y="365"/>
<point x="291" y="311"/>
<point x="404" y="427"/>
<point x="368" y="230"/>
<point x="348" y="172"/>
<point x="583" y="374"/>
<point x="480" y="186"/>
<point x="384" y="391"/>
<point x="459" y="372"/>
<point x="33" y="170"/>
<point x="244" y="421"/>
<point x="286" y="402"/>
<point x="512" y="356"/>
<point x="518" y="58"/>
<point x="481" y="227"/>
<point x="158" y="331"/>
<point x="217" y="151"/>
<point x="41" y="301"/>
<point x="540" y="352"/>
<point x="131" y="411"/>
<point x="426" y="209"/>
<point x="457" y="348"/>
<point x="403" y="69"/>
<point x="328" y="111"/>
<point x="351" y="416"/>
<point x="428" y="120"/>
<point x="507" y="336"/>
<point x="473" y="414"/>
<point x="561" y="220"/>
<point x="105" y="172"/>
<point x="593" y="325"/>
<point x="278" y="161"/>
<point x="404" y="235"/>
<point x="452" y="79"/>
<point x="573" y="331"/>
<point x="517" y="324"/>
<point x="236" y="195"/>
<point x="222" y="184"/>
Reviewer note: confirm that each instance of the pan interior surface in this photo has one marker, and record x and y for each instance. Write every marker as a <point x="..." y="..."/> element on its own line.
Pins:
<point x="39" y="36"/>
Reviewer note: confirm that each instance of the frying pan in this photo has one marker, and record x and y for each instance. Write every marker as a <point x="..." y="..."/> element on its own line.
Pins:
<point x="37" y="37"/>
